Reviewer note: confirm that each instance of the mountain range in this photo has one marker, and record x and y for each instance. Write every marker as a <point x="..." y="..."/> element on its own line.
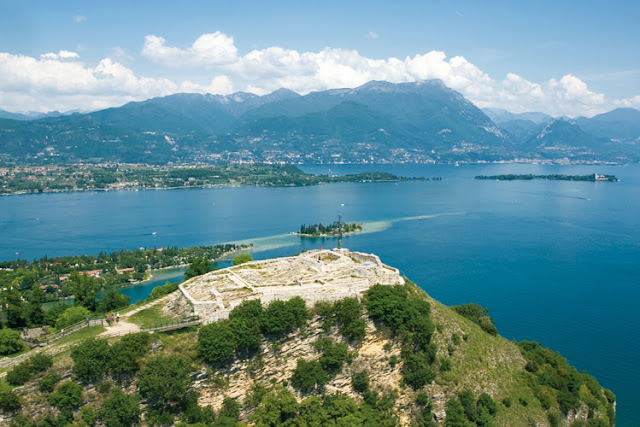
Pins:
<point x="378" y="122"/>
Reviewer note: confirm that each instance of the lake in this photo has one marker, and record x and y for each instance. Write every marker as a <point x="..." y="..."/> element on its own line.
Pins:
<point x="555" y="261"/>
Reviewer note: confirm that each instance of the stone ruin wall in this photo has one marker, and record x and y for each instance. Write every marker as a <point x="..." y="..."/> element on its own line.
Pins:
<point x="211" y="311"/>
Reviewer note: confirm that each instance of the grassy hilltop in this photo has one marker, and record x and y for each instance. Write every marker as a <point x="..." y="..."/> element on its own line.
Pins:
<point x="396" y="357"/>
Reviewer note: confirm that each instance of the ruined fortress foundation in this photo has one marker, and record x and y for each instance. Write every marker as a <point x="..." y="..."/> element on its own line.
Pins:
<point x="318" y="275"/>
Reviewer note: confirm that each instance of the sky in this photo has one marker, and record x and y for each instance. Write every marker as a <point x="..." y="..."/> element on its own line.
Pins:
<point x="559" y="57"/>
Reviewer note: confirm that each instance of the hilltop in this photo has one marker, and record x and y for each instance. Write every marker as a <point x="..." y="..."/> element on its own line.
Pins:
<point x="325" y="335"/>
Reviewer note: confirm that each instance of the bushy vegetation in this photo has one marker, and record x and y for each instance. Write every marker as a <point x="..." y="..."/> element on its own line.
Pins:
<point x="9" y="401"/>
<point x="347" y="314"/>
<point x="241" y="259"/>
<point x="164" y="380"/>
<point x="120" y="410"/>
<point x="94" y="358"/>
<point x="279" y="407"/>
<point x="10" y="342"/>
<point x="466" y="411"/>
<point x="67" y="398"/>
<point x="198" y="267"/>
<point x="20" y="374"/>
<point x="478" y="315"/>
<point x="160" y="291"/>
<point x="310" y="374"/>
<point x="554" y="381"/>
<point x="241" y="335"/>
<point x="407" y="316"/>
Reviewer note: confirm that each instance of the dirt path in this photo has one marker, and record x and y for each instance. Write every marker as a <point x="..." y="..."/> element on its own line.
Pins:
<point x="119" y="328"/>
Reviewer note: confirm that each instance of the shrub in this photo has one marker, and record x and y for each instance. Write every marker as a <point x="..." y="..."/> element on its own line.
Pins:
<point x="333" y="356"/>
<point x="194" y="414"/>
<point x="216" y="342"/>
<point x="51" y="316"/>
<point x="281" y="317"/>
<point x="160" y="291"/>
<point x="104" y="387"/>
<point x="112" y="301"/>
<point x="125" y="354"/>
<point x="197" y="267"/>
<point x="445" y="365"/>
<point x="71" y="316"/>
<point x="120" y="410"/>
<point x="417" y="371"/>
<point x="88" y="415"/>
<point x="485" y="401"/>
<point x="41" y="362"/>
<point x="10" y="341"/>
<point x="455" y="338"/>
<point x="20" y="374"/>
<point x="478" y="315"/>
<point x="67" y="397"/>
<point x="165" y="379"/>
<point x="48" y="383"/>
<point x="308" y="375"/>
<point x="91" y="359"/>
<point x="9" y="401"/>
<point x="348" y="313"/>
<point x="506" y="402"/>
<point x="360" y="381"/>
<point x="241" y="259"/>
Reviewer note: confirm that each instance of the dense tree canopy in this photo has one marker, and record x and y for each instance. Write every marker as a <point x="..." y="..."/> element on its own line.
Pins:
<point x="165" y="379"/>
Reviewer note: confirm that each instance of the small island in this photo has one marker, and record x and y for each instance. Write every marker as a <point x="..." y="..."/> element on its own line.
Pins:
<point x="334" y="229"/>
<point x="555" y="177"/>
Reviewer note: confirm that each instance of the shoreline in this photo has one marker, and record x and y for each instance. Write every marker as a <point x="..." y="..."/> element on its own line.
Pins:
<point x="175" y="267"/>
<point x="224" y="185"/>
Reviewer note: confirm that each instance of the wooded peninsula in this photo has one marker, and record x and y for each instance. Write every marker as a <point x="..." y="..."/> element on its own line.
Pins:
<point x="78" y="177"/>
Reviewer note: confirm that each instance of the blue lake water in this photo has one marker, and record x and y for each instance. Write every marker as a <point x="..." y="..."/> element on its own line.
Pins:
<point x="556" y="262"/>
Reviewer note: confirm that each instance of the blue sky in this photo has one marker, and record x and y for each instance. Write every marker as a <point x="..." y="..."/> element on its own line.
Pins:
<point x="574" y="58"/>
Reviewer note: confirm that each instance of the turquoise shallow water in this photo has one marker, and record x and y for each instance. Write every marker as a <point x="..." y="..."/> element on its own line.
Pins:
<point x="556" y="262"/>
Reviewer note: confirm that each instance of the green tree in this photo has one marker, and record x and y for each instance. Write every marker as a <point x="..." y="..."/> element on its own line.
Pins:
<point x="33" y="310"/>
<point x="84" y="289"/>
<point x="198" y="267"/>
<point x="348" y="313"/>
<point x="9" y="401"/>
<point x="120" y="410"/>
<point x="91" y="359"/>
<point x="14" y="307"/>
<point x="113" y="300"/>
<point x="360" y="381"/>
<point x="165" y="379"/>
<point x="67" y="398"/>
<point x="10" y="341"/>
<point x="241" y="259"/>
<point x="41" y="362"/>
<point x="216" y="342"/>
<point x="72" y="316"/>
<point x="307" y="375"/>
<point x="20" y="374"/>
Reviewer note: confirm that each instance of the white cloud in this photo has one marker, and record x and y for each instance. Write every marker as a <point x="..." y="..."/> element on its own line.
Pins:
<point x="63" y="54"/>
<point x="61" y="81"/>
<point x="372" y="35"/>
<point x="209" y="49"/>
<point x="78" y="19"/>
<point x="51" y="83"/>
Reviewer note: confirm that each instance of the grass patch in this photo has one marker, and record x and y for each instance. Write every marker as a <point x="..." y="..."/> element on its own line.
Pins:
<point x="149" y="317"/>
